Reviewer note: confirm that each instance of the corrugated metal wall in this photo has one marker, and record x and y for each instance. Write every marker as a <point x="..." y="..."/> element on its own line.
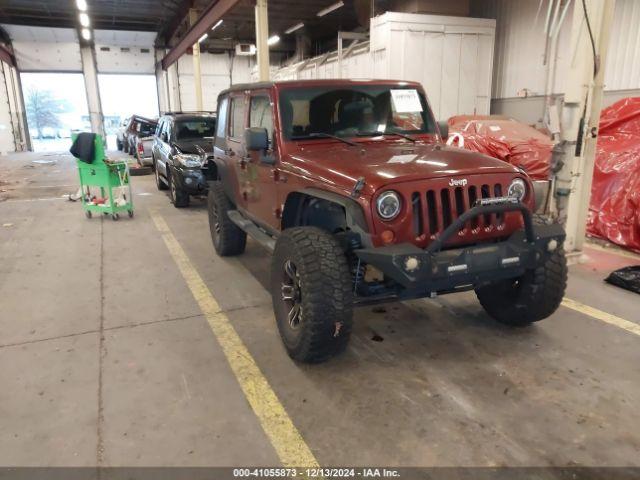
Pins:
<point x="623" y="63"/>
<point x="520" y="43"/>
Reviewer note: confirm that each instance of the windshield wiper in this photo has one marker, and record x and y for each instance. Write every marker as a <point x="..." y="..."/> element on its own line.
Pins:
<point x="371" y="134"/>
<point x="324" y="135"/>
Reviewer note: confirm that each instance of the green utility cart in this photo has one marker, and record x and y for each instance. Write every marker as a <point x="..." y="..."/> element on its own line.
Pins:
<point x="98" y="174"/>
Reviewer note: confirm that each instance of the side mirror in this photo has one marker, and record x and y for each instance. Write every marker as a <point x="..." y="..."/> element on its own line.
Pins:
<point x="443" y="126"/>
<point x="256" y="139"/>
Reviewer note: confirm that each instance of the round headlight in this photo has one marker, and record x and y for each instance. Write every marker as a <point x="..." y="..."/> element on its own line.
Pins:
<point x="517" y="189"/>
<point x="388" y="204"/>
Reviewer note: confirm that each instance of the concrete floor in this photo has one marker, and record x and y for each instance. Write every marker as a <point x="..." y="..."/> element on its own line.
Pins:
<point x="106" y="359"/>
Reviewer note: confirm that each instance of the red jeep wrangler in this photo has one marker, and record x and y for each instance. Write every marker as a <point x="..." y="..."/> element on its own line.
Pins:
<point x="350" y="186"/>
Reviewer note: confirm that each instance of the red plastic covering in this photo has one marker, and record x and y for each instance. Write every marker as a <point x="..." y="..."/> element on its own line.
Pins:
<point x="506" y="139"/>
<point x="614" y="212"/>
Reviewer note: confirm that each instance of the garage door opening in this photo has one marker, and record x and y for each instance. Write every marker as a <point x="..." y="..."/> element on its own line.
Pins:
<point x="123" y="96"/>
<point x="56" y="106"/>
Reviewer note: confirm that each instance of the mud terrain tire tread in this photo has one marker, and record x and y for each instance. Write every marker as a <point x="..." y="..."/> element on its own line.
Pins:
<point x="231" y="239"/>
<point x="327" y="298"/>
<point x="538" y="296"/>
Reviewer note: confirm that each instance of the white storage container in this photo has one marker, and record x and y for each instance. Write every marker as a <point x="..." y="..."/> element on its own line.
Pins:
<point x="451" y="56"/>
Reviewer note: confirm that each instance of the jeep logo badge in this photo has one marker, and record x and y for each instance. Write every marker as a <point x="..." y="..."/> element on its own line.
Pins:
<point x="458" y="183"/>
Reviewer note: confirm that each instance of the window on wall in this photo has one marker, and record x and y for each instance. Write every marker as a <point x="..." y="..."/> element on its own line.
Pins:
<point x="236" y="123"/>
<point x="260" y="114"/>
<point x="56" y="106"/>
<point x="125" y="95"/>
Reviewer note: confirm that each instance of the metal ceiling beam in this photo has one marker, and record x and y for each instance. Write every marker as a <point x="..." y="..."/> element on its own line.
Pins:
<point x="214" y="12"/>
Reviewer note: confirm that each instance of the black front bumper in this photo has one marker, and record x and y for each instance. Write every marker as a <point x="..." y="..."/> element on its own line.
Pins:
<point x="190" y="180"/>
<point x="433" y="270"/>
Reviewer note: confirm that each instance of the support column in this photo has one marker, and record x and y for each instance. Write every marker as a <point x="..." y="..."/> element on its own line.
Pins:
<point x="581" y="116"/>
<point x="197" y="74"/>
<point x="262" y="36"/>
<point x="90" y="73"/>
<point x="15" y="103"/>
<point x="162" y="86"/>
<point x="173" y="88"/>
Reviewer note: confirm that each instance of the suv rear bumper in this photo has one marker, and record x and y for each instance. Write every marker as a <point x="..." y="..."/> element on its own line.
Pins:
<point x="432" y="270"/>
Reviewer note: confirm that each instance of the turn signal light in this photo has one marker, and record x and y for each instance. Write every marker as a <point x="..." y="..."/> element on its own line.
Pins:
<point x="388" y="236"/>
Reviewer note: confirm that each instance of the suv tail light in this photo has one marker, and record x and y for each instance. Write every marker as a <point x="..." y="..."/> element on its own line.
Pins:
<point x="140" y="149"/>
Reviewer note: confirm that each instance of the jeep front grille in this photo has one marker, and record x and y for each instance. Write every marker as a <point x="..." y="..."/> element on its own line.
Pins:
<point x="435" y="210"/>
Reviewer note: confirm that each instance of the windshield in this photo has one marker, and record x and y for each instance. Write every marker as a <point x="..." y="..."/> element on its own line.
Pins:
<point x="146" y="129"/>
<point x="350" y="111"/>
<point x="195" y="128"/>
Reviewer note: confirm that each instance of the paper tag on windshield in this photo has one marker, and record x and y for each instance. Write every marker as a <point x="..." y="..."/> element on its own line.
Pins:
<point x="406" y="101"/>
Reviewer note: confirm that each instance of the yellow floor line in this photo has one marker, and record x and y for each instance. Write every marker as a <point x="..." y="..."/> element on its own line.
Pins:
<point x="603" y="316"/>
<point x="613" y="251"/>
<point x="284" y="436"/>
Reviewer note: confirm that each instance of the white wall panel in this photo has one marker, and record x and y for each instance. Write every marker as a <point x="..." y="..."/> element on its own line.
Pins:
<point x="520" y="44"/>
<point x="216" y="76"/>
<point x="451" y="56"/>
<point x="623" y="60"/>
<point x="125" y="60"/>
<point x="45" y="49"/>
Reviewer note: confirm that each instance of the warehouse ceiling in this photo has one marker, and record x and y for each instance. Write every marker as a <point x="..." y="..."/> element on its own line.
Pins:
<point x="135" y="15"/>
<point x="239" y="23"/>
<point x="168" y="18"/>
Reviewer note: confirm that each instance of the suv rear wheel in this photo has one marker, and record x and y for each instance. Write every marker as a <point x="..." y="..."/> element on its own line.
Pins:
<point x="227" y="238"/>
<point x="179" y="197"/>
<point x="312" y="295"/>
<point x="534" y="296"/>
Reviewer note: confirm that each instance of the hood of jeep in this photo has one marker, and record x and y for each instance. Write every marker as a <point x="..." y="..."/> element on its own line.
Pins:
<point x="387" y="164"/>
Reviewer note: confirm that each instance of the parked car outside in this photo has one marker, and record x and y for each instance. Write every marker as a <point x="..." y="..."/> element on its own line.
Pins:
<point x="141" y="133"/>
<point x="120" y="134"/>
<point x="143" y="149"/>
<point x="137" y="124"/>
<point x="182" y="143"/>
<point x="351" y="187"/>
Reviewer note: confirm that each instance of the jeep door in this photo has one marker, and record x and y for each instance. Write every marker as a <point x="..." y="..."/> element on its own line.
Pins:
<point x="261" y="166"/>
<point x="223" y="154"/>
<point x="235" y="153"/>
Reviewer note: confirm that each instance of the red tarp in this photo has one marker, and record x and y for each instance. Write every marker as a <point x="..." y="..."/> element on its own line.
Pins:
<point x="506" y="139"/>
<point x="614" y="212"/>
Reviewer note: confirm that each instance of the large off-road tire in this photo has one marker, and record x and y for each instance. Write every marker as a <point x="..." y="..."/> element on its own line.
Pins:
<point x="311" y="290"/>
<point x="179" y="197"/>
<point x="227" y="238"/>
<point x="534" y="296"/>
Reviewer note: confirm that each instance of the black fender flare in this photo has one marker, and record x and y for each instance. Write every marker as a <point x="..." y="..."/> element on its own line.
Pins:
<point x="355" y="216"/>
<point x="221" y="174"/>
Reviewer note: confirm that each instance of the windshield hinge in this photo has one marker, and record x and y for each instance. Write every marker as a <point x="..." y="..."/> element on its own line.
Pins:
<point x="357" y="187"/>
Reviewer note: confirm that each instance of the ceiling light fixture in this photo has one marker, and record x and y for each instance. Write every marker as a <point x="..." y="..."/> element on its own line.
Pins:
<point x="273" y="40"/>
<point x="217" y="25"/>
<point x="84" y="19"/>
<point x="82" y="5"/>
<point x="297" y="26"/>
<point x="330" y="9"/>
<point x="203" y="38"/>
<point x="86" y="34"/>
